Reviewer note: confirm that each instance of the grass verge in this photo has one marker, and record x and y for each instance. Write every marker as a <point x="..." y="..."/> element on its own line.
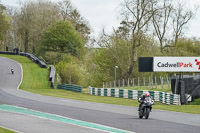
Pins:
<point x="195" y="102"/>
<point x="3" y="130"/>
<point x="35" y="79"/>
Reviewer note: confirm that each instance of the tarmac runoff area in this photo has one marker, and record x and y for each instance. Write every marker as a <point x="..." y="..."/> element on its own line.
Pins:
<point x="24" y="111"/>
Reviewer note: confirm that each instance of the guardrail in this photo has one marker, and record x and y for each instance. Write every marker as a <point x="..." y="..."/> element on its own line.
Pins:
<point x="32" y="57"/>
<point x="52" y="74"/>
<point x="70" y="87"/>
<point x="163" y="97"/>
<point x="35" y="59"/>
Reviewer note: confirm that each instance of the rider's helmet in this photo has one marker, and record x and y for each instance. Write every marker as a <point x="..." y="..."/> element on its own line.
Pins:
<point x="147" y="94"/>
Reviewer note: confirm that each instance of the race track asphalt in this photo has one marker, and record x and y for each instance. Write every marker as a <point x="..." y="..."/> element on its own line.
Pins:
<point x="120" y="117"/>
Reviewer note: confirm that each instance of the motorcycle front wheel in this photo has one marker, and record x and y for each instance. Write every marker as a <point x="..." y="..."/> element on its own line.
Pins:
<point x="146" y="113"/>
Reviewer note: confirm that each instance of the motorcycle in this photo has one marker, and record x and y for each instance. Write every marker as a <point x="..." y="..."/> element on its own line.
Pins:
<point x="146" y="108"/>
<point x="12" y="71"/>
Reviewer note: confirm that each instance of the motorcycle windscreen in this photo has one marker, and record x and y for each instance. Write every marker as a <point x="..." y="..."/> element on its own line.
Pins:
<point x="148" y="101"/>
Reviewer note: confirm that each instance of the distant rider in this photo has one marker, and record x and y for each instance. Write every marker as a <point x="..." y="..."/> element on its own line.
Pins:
<point x="12" y="70"/>
<point x="141" y="99"/>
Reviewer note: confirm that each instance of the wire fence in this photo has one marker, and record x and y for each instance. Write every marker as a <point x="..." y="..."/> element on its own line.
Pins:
<point x="152" y="82"/>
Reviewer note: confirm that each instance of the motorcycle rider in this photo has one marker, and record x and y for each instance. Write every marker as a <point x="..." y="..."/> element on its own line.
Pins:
<point x="12" y="70"/>
<point x="141" y="99"/>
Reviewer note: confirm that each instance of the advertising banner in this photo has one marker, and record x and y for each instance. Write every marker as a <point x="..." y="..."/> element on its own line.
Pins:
<point x="176" y="64"/>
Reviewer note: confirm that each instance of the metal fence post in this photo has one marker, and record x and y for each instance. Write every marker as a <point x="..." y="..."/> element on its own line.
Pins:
<point x="128" y="82"/>
<point x="138" y="81"/>
<point x="156" y="82"/>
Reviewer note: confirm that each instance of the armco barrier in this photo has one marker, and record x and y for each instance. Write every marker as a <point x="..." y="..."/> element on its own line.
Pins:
<point x="70" y="87"/>
<point x="35" y="59"/>
<point x="163" y="97"/>
<point x="52" y="74"/>
<point x="30" y="56"/>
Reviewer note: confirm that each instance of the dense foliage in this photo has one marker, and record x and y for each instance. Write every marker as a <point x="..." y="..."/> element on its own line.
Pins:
<point x="62" y="37"/>
<point x="4" y="23"/>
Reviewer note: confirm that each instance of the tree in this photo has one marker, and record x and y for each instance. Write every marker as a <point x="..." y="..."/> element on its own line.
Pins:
<point x="30" y="22"/>
<point x="65" y="8"/>
<point x="180" y="18"/>
<point x="186" y="47"/>
<point x="169" y="21"/>
<point x="69" y="13"/>
<point x="116" y="51"/>
<point x="70" y="73"/>
<point x="2" y="7"/>
<point x="24" y="24"/>
<point x="161" y="19"/>
<point x="4" y="22"/>
<point x="136" y="15"/>
<point x="32" y="18"/>
<point x="62" y="37"/>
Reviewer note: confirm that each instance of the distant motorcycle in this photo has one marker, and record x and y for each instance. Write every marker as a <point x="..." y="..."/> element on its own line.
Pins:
<point x="12" y="71"/>
<point x="146" y="108"/>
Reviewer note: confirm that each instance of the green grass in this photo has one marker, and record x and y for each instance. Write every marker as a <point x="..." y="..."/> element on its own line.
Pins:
<point x="3" y="130"/>
<point x="36" y="80"/>
<point x="195" y="102"/>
